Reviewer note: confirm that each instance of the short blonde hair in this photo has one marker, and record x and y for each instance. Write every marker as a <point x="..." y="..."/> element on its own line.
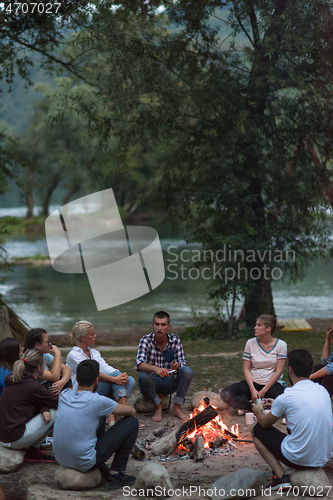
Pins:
<point x="80" y="329"/>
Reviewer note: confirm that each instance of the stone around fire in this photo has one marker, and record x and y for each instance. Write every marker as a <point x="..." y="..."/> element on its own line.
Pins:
<point x="215" y="399"/>
<point x="243" y="483"/>
<point x="10" y="460"/>
<point x="70" y="479"/>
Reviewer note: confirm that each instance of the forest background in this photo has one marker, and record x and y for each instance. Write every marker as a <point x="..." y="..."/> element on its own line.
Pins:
<point x="216" y="115"/>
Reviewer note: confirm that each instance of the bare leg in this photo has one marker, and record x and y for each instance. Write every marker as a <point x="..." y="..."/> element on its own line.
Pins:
<point x="178" y="413"/>
<point x="269" y="457"/>
<point x="158" y="413"/>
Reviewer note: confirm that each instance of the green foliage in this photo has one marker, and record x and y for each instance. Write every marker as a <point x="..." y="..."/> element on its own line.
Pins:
<point x="242" y="110"/>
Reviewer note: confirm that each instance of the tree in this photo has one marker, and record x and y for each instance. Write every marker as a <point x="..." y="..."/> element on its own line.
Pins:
<point x="234" y="91"/>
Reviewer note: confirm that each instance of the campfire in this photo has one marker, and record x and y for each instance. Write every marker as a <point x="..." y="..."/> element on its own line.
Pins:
<point x="204" y="429"/>
<point x="215" y="433"/>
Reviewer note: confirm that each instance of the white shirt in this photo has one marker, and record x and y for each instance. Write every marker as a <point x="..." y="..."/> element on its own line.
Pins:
<point x="263" y="363"/>
<point x="76" y="355"/>
<point x="308" y="411"/>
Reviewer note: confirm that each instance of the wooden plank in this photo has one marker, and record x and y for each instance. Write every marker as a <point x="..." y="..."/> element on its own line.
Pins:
<point x="295" y="325"/>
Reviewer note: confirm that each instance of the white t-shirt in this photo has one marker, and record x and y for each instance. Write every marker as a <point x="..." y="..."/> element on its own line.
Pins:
<point x="263" y="363"/>
<point x="76" y="355"/>
<point x="74" y="434"/>
<point x="308" y="411"/>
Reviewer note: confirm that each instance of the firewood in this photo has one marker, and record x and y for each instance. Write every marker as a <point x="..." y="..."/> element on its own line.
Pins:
<point x="138" y="453"/>
<point x="167" y="444"/>
<point x="217" y="443"/>
<point x="230" y="434"/>
<point x="12" y="487"/>
<point x="199" y="451"/>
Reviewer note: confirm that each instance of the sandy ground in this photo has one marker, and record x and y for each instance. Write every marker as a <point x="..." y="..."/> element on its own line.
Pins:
<point x="184" y="473"/>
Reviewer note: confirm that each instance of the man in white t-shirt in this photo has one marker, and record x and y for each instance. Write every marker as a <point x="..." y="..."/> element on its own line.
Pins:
<point x="308" y="411"/>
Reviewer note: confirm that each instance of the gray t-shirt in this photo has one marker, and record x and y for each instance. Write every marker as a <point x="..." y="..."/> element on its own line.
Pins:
<point x="74" y="435"/>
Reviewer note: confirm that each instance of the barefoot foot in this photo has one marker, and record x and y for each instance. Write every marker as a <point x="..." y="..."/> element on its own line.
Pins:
<point x="178" y="413"/>
<point x="158" y="414"/>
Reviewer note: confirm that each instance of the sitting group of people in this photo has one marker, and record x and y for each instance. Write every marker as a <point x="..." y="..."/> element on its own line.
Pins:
<point x="85" y="436"/>
<point x="305" y="406"/>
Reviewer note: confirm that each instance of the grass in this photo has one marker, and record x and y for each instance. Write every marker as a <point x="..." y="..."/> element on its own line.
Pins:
<point x="213" y="372"/>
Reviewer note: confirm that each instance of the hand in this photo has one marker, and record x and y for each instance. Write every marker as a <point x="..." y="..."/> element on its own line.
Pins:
<point x="261" y="393"/>
<point x="175" y="365"/>
<point x="258" y="408"/>
<point x="328" y="331"/>
<point x="121" y="379"/>
<point x="162" y="372"/>
<point x="268" y="403"/>
<point x="57" y="387"/>
<point x="46" y="417"/>
<point x="254" y="394"/>
<point x="54" y="348"/>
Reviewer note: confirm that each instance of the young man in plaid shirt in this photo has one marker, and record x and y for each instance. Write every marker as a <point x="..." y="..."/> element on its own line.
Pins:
<point x="162" y="365"/>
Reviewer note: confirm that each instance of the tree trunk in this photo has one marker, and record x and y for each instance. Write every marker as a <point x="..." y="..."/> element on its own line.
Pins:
<point x="47" y="199"/>
<point x="69" y="194"/>
<point x="30" y="195"/>
<point x="259" y="300"/>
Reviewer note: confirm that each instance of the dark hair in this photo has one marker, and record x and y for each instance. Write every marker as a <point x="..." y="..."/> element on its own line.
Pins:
<point x="301" y="362"/>
<point x="87" y="372"/>
<point x="161" y="315"/>
<point x="9" y="352"/>
<point x="33" y="336"/>
<point x="30" y="362"/>
<point x="270" y="321"/>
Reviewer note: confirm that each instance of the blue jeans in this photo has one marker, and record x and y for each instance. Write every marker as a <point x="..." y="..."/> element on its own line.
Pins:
<point x="151" y="384"/>
<point x="115" y="391"/>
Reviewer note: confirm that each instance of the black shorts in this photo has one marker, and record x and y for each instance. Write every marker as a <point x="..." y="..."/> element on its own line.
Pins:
<point x="272" y="439"/>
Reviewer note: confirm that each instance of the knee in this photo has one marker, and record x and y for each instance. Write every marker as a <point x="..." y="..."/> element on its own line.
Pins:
<point x="144" y="379"/>
<point x="186" y="372"/>
<point x="225" y="396"/>
<point x="131" y="381"/>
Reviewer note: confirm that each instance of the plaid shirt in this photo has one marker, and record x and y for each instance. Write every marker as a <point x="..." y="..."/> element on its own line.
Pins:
<point x="148" y="351"/>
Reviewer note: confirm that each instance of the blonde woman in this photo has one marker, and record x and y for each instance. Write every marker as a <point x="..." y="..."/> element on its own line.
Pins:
<point x="27" y="408"/>
<point x="264" y="359"/>
<point x="113" y="383"/>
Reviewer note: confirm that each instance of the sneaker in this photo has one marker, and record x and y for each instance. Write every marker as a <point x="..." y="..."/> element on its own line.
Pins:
<point x="116" y="481"/>
<point x="241" y="412"/>
<point x="35" y="455"/>
<point x="279" y="482"/>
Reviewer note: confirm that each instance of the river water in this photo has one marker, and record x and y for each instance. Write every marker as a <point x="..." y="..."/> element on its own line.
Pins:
<point x="55" y="301"/>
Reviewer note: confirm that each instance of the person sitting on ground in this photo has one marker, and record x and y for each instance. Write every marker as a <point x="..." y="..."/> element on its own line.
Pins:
<point x="323" y="374"/>
<point x="308" y="412"/>
<point x="79" y="439"/>
<point x="10" y="351"/>
<point x="160" y="353"/>
<point x="56" y="375"/>
<point x="113" y="383"/>
<point x="264" y="359"/>
<point x="27" y="408"/>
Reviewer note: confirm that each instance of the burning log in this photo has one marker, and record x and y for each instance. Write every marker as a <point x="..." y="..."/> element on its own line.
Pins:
<point x="167" y="444"/>
<point x="199" y="450"/>
<point x="230" y="434"/>
<point x="217" y="443"/>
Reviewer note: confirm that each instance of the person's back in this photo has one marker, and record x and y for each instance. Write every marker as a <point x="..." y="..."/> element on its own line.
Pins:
<point x="79" y="437"/>
<point x="309" y="419"/>
<point x="79" y="416"/>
